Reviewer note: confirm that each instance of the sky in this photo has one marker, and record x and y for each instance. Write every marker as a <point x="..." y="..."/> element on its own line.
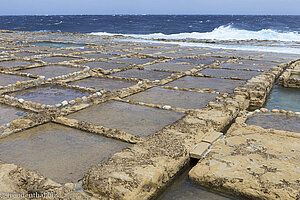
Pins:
<point x="102" y="7"/>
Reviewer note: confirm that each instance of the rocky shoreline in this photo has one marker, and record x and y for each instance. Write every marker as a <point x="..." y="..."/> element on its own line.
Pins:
<point x="227" y="86"/>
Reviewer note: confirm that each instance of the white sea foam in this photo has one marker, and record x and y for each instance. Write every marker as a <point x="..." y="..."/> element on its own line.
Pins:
<point x="277" y="49"/>
<point x="282" y="42"/>
<point x="221" y="33"/>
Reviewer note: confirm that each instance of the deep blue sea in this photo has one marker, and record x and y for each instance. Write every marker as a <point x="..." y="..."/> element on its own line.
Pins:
<point x="272" y="33"/>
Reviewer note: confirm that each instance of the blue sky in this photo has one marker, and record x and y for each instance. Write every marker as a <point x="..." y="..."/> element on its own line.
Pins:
<point x="36" y="7"/>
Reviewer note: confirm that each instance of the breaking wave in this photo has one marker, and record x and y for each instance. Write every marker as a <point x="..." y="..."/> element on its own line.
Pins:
<point x="221" y="33"/>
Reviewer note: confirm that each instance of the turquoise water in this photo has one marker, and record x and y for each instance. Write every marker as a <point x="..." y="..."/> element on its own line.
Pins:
<point x="284" y="98"/>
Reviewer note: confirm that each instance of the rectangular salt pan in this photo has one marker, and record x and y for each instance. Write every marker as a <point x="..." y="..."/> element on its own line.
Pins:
<point x="52" y="71"/>
<point x="8" y="114"/>
<point x="97" y="55"/>
<point x="11" y="79"/>
<point x="217" y="84"/>
<point x="60" y="153"/>
<point x="133" y="60"/>
<point x="170" y="67"/>
<point x="57" y="59"/>
<point x="10" y="64"/>
<point x="276" y="121"/>
<point x="143" y="74"/>
<point x="174" y="98"/>
<point x="133" y="119"/>
<point x="49" y="95"/>
<point x="230" y="73"/>
<point x="106" y="83"/>
<point x="104" y="65"/>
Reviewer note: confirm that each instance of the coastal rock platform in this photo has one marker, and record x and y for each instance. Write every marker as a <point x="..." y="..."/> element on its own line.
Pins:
<point x="125" y="115"/>
<point x="254" y="162"/>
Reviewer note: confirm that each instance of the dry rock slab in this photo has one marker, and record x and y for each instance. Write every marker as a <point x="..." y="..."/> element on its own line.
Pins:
<point x="256" y="164"/>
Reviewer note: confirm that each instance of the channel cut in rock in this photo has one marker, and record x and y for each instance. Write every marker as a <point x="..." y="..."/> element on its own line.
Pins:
<point x="143" y="74"/>
<point x="106" y="83"/>
<point x="174" y="98"/>
<point x="51" y="71"/>
<point x="8" y="114"/>
<point x="276" y="121"/>
<point x="133" y="119"/>
<point x="183" y="188"/>
<point x="11" y="79"/>
<point x="58" y="152"/>
<point x="218" y="84"/>
<point x="49" y="95"/>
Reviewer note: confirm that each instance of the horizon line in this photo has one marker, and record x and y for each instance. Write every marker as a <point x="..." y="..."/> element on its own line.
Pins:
<point x="148" y="14"/>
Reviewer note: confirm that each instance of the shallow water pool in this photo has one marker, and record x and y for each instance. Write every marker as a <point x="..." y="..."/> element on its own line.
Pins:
<point x="182" y="188"/>
<point x="284" y="98"/>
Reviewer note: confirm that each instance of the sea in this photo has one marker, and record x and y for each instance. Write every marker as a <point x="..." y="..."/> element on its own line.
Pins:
<point x="241" y="32"/>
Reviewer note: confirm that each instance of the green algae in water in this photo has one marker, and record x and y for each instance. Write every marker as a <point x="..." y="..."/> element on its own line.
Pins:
<point x="284" y="98"/>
